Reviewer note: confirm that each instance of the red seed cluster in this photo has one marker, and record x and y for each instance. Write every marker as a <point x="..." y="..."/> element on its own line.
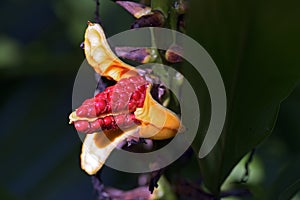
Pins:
<point x="110" y="122"/>
<point x="116" y="103"/>
<point x="127" y="95"/>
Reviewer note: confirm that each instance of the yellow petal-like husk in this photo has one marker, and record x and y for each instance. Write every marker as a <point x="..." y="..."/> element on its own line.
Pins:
<point x="100" y="56"/>
<point x="158" y="122"/>
<point x="98" y="146"/>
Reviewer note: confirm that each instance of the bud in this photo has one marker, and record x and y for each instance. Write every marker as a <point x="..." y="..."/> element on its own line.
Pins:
<point x="174" y="53"/>
<point x="137" y="54"/>
<point x="181" y="6"/>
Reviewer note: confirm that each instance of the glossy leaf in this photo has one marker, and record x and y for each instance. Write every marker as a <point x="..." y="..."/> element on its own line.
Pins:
<point x="287" y="183"/>
<point x="249" y="42"/>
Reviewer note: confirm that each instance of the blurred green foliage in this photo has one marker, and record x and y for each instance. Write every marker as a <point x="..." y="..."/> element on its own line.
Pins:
<point x="40" y="56"/>
<point x="254" y="46"/>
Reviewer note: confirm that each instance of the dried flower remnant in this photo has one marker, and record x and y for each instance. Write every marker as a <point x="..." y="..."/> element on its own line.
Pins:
<point x="120" y="111"/>
<point x="136" y="9"/>
<point x="156" y="19"/>
<point x="140" y="192"/>
<point x="146" y="17"/>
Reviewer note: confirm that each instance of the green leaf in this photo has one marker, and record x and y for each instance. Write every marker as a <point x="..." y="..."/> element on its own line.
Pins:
<point x="287" y="184"/>
<point x="166" y="189"/>
<point x="255" y="48"/>
<point x="162" y="6"/>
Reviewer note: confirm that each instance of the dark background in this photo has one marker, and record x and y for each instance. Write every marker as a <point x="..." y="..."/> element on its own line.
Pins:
<point x="39" y="59"/>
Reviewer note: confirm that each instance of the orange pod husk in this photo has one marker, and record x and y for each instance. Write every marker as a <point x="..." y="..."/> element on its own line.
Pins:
<point x="157" y="122"/>
<point x="100" y="56"/>
<point x="97" y="147"/>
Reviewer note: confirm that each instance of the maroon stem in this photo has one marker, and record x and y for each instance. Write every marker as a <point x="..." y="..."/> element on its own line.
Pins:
<point x="97" y="15"/>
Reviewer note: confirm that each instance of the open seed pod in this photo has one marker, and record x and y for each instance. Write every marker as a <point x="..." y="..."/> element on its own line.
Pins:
<point x="123" y="110"/>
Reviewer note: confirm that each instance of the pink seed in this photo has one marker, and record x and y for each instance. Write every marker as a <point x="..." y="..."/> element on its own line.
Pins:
<point x="130" y="87"/>
<point x="127" y="121"/>
<point x="119" y="119"/>
<point x="91" y="111"/>
<point x="81" y="125"/>
<point x="132" y="106"/>
<point x="100" y="121"/>
<point x="124" y="97"/>
<point x="136" y="95"/>
<point x="108" y="108"/>
<point x="82" y="111"/>
<point x="140" y="103"/>
<point x="118" y="89"/>
<point x="115" y="97"/>
<point x="120" y="106"/>
<point x="142" y="88"/>
<point x="100" y="106"/>
<point x="107" y="121"/>
<point x="95" y="125"/>
<point x="102" y="95"/>
<point x="109" y="96"/>
<point x="134" y="79"/>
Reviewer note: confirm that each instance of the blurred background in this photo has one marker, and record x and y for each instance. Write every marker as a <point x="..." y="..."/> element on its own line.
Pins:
<point x="39" y="59"/>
